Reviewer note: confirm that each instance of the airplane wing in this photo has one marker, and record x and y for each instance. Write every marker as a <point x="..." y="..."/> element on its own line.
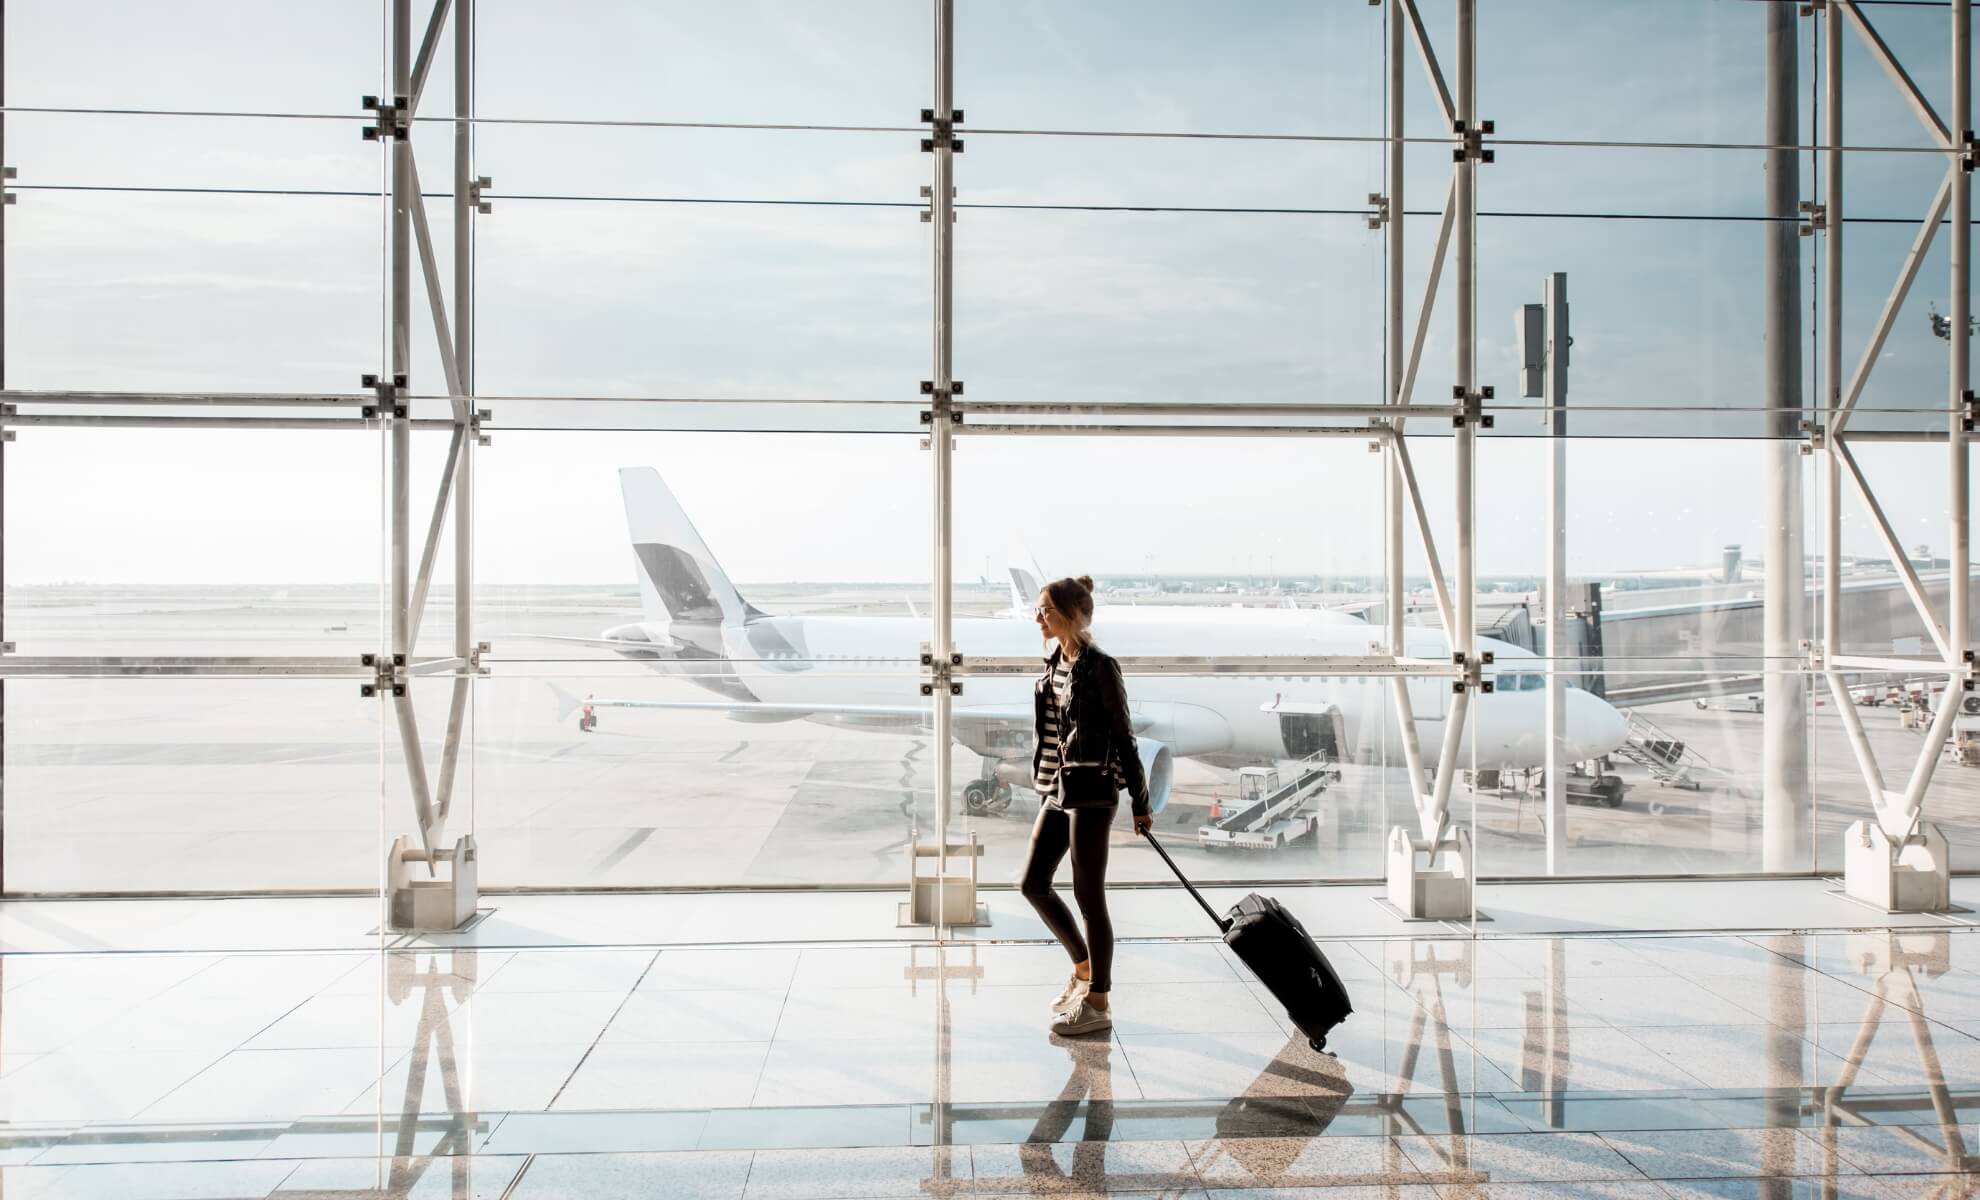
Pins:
<point x="852" y="714"/>
<point x="969" y="718"/>
<point x="608" y="643"/>
<point x="1318" y="706"/>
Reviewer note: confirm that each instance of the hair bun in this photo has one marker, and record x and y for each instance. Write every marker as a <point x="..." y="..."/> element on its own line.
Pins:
<point x="1085" y="581"/>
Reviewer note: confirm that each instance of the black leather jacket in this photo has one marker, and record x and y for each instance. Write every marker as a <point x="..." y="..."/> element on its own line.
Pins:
<point x="1095" y="729"/>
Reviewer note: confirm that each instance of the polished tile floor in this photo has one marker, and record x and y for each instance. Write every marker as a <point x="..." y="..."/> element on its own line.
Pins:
<point x="1833" y="1064"/>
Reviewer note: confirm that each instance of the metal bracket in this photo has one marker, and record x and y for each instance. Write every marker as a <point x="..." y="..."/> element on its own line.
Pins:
<point x="941" y="402"/>
<point x="1817" y="214"/>
<point x="1380" y="216"/>
<point x="474" y="426"/>
<point x="928" y="214"/>
<point x="1969" y="421"/>
<point x="388" y="671"/>
<point x="1474" y="407"/>
<point x="1969" y="151"/>
<point x="1471" y="142"/>
<point x="481" y="184"/>
<point x="936" y="674"/>
<point x="1474" y="672"/>
<point x="6" y="647"/>
<point x="945" y="131"/>
<point x="391" y="397"/>
<point x="394" y="119"/>
<point x="6" y="173"/>
<point x="1817" y="437"/>
<point x="475" y="655"/>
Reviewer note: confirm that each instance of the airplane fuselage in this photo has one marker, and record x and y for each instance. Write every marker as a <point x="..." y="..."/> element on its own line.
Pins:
<point x="863" y="660"/>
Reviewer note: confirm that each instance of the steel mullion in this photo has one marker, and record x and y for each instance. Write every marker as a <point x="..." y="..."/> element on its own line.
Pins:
<point x="1429" y="304"/>
<point x="1429" y="59"/>
<point x="429" y="269"/>
<point x="1887" y="319"/>
<point x="427" y="46"/>
<point x="1902" y="79"/>
<point x="1444" y="607"/>
<point x="432" y="545"/>
<point x="191" y="399"/>
<point x="1912" y="586"/>
<point x="1364" y="432"/>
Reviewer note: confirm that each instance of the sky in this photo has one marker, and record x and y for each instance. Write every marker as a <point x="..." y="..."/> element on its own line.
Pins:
<point x="627" y="297"/>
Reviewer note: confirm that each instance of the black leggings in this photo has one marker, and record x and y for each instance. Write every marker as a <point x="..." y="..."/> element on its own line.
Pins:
<point x="1085" y="832"/>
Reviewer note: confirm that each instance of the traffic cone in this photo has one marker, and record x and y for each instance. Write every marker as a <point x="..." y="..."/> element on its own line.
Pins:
<point x="1216" y="810"/>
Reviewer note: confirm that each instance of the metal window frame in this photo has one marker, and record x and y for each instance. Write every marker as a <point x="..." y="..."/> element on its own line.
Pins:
<point x="1898" y="814"/>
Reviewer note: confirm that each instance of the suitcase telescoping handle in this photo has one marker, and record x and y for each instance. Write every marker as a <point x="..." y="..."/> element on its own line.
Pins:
<point x="1222" y="924"/>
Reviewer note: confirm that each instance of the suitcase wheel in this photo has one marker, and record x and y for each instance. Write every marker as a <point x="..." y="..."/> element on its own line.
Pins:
<point x="1320" y="1044"/>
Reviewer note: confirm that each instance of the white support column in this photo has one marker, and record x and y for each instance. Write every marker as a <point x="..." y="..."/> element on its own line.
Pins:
<point x="1554" y="396"/>
<point x="1784" y="736"/>
<point x="1959" y="600"/>
<point x="461" y="354"/>
<point x="941" y="443"/>
<point x="1440" y="886"/>
<point x="1392" y="523"/>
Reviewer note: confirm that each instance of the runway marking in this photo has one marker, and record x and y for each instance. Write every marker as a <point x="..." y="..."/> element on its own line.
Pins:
<point x="632" y="843"/>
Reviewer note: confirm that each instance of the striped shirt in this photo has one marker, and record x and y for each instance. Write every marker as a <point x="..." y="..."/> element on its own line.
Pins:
<point x="1046" y="783"/>
<point x="1051" y="747"/>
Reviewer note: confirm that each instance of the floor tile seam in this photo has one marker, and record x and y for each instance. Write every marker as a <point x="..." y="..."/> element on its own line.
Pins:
<point x="763" y="1068"/>
<point x="529" y="1160"/>
<point x="598" y="1037"/>
<point x="174" y="1089"/>
<point x="411" y="945"/>
<point x="1664" y="1058"/>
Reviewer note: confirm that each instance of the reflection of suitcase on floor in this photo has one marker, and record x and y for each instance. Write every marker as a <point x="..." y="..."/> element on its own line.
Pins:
<point x="1277" y="948"/>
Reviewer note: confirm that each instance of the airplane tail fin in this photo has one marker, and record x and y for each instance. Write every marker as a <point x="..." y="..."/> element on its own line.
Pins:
<point x="1026" y="580"/>
<point x="679" y="579"/>
<point x="567" y="702"/>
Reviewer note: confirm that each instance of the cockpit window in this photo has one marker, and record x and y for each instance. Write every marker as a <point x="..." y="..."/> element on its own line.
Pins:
<point x="1526" y="682"/>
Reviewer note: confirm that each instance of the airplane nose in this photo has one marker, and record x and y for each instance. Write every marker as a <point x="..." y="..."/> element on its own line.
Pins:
<point x="1595" y="727"/>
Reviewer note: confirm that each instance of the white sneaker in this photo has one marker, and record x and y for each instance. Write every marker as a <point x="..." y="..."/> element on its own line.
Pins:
<point x="1075" y="991"/>
<point x="1084" y="1018"/>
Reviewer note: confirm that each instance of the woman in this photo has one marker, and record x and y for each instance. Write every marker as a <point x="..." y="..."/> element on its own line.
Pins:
<point x="1086" y="757"/>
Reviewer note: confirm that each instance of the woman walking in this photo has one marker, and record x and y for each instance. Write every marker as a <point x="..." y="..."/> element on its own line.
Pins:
<point x="1086" y="757"/>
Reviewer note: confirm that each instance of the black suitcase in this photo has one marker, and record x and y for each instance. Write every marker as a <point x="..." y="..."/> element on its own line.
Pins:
<point x="1277" y="948"/>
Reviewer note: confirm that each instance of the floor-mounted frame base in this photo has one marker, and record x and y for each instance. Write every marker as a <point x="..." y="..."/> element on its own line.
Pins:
<point x="1430" y="881"/>
<point x="1913" y="876"/>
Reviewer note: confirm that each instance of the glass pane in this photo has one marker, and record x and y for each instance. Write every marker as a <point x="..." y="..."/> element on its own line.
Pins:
<point x="1178" y="308"/>
<point x="208" y="784"/>
<point x="865" y="62"/>
<point x="613" y="774"/>
<point x="190" y="293"/>
<point x="699" y="302"/>
<point x="194" y="56"/>
<point x="697" y="637"/>
<point x="192" y="542"/>
<point x="1173" y="66"/>
<point x="1669" y="787"/>
<point x="1198" y="547"/>
<point x="1696" y="64"/>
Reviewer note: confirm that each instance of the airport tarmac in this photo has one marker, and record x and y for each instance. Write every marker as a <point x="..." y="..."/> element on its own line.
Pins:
<point x="241" y="784"/>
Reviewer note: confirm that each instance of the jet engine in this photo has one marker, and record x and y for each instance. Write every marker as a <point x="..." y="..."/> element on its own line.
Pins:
<point x="1158" y="767"/>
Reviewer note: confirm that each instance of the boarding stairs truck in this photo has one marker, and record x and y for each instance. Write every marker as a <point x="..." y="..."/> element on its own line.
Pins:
<point x="1267" y="813"/>
<point x="1670" y="762"/>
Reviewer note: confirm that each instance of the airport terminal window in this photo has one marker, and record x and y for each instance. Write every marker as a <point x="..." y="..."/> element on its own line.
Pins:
<point x="712" y="678"/>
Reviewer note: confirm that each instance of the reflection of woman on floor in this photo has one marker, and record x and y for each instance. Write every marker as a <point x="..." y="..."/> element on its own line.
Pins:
<point x="1086" y="757"/>
<point x="1091" y="1081"/>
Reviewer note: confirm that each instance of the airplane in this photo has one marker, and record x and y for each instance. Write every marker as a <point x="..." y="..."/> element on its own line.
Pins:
<point x="861" y="672"/>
